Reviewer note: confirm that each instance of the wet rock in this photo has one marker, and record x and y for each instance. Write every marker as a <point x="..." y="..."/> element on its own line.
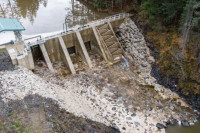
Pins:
<point x="144" y="111"/>
<point x="113" y="108"/>
<point x="179" y="123"/>
<point x="178" y="103"/>
<point x="191" y="124"/>
<point x="172" y="121"/>
<point x="128" y="118"/>
<point x="123" y="128"/>
<point x="150" y="108"/>
<point x="119" y="102"/>
<point x="137" y="124"/>
<point x="130" y="106"/>
<point x="133" y="114"/>
<point x="185" y="123"/>
<point x="160" y="126"/>
<point x="171" y="107"/>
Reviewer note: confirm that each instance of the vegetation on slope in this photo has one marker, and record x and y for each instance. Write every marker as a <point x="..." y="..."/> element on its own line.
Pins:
<point x="175" y="31"/>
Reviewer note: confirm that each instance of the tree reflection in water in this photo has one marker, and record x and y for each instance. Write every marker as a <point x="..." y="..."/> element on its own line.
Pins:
<point x="21" y="8"/>
<point x="80" y="14"/>
<point x="39" y="17"/>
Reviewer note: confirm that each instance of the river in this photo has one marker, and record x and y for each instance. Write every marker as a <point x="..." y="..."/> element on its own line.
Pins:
<point x="42" y="16"/>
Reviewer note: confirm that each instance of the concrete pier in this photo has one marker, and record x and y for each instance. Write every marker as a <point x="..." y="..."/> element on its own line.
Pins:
<point x="69" y="61"/>
<point x="46" y="57"/>
<point x="82" y="50"/>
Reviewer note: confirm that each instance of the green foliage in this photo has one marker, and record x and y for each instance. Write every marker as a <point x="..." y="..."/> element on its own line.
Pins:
<point x="196" y="16"/>
<point x="100" y="3"/>
<point x="167" y="11"/>
<point x="191" y="15"/>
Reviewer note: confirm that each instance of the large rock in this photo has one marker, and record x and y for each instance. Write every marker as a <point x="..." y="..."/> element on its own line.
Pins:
<point x="160" y="126"/>
<point x="185" y="123"/>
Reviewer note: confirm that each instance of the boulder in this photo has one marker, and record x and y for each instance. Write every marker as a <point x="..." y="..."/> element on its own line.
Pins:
<point x="185" y="123"/>
<point x="160" y="126"/>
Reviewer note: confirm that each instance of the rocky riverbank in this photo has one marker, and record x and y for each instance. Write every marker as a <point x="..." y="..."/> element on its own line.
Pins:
<point x="124" y="96"/>
<point x="135" y="44"/>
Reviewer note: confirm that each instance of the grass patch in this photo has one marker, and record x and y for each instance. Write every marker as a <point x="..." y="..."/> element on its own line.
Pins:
<point x="53" y="121"/>
<point x="13" y="127"/>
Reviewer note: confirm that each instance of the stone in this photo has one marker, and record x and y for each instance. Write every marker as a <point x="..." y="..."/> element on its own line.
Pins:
<point x="171" y="107"/>
<point x="128" y="118"/>
<point x="191" y="124"/>
<point x="150" y="108"/>
<point x="113" y="108"/>
<point x="123" y="128"/>
<point x="160" y="126"/>
<point x="185" y="123"/>
<point x="133" y="114"/>
<point x="144" y="111"/>
<point x="179" y="123"/>
<point x="171" y="121"/>
<point x="179" y="103"/>
<point x="137" y="124"/>
<point x="130" y="106"/>
<point x="195" y="121"/>
<point x="119" y="102"/>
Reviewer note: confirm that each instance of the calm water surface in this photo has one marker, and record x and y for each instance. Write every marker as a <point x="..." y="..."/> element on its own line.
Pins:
<point x="41" y="16"/>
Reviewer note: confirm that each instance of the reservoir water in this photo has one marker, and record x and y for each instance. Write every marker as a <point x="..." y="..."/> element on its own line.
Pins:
<point x="41" y="16"/>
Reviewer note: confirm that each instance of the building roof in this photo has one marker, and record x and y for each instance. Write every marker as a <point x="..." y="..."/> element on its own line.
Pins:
<point x="10" y="24"/>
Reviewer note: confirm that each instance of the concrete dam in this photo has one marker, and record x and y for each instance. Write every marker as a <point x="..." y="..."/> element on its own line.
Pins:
<point x="97" y="36"/>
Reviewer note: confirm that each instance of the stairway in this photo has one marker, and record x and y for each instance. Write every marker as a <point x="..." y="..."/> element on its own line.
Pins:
<point x="111" y="45"/>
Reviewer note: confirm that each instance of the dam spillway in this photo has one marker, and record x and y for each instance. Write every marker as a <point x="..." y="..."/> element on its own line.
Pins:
<point x="98" y="36"/>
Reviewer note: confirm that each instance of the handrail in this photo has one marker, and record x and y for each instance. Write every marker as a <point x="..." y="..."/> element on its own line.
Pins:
<point x="33" y="37"/>
<point x="73" y="29"/>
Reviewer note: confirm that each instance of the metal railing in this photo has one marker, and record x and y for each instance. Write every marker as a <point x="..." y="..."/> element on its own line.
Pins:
<point x="74" y="29"/>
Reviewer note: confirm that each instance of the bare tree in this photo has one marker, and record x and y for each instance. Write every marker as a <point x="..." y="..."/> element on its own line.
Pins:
<point x="187" y="26"/>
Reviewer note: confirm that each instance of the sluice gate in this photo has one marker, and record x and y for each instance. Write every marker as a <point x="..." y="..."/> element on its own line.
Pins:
<point x="98" y="36"/>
